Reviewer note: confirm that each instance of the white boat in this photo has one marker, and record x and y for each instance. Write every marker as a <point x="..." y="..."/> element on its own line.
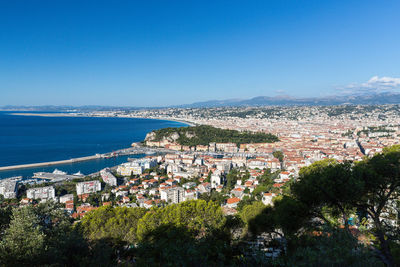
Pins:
<point x="56" y="171"/>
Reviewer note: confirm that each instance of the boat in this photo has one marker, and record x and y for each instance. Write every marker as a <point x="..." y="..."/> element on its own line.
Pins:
<point x="57" y="171"/>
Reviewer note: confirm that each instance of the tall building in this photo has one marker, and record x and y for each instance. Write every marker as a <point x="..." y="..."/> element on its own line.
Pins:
<point x="216" y="180"/>
<point x="108" y="177"/>
<point x="174" y="195"/>
<point x="88" y="187"/>
<point x="47" y="192"/>
<point x="9" y="187"/>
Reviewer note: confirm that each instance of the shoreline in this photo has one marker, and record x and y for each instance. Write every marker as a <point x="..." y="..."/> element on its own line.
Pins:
<point x="80" y="115"/>
<point x="79" y="159"/>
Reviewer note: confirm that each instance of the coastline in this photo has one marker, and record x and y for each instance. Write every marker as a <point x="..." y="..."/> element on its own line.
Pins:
<point x="75" y="115"/>
<point x="78" y="159"/>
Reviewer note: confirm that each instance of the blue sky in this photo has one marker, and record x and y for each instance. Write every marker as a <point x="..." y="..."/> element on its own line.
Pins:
<point x="158" y="53"/>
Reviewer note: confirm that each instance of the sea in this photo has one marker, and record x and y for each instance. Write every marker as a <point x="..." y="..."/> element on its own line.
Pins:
<point x="34" y="139"/>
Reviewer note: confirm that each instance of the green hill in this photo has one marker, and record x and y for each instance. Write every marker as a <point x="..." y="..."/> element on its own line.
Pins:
<point x="203" y="135"/>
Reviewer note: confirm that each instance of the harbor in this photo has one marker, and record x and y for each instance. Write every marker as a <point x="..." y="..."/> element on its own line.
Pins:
<point x="50" y="163"/>
<point x="87" y="165"/>
<point x="117" y="153"/>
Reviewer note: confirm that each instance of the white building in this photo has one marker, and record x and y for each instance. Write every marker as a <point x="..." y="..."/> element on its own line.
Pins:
<point x="47" y="192"/>
<point x="136" y="167"/>
<point x="199" y="161"/>
<point x="189" y="185"/>
<point x="121" y="193"/>
<point x="108" y="177"/>
<point x="191" y="195"/>
<point x="224" y="166"/>
<point x="174" y="195"/>
<point x="267" y="198"/>
<point x="88" y="187"/>
<point x="66" y="198"/>
<point x="9" y="187"/>
<point x="216" y="180"/>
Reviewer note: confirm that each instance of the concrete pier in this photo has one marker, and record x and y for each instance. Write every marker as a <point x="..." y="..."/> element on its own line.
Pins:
<point x="50" y="163"/>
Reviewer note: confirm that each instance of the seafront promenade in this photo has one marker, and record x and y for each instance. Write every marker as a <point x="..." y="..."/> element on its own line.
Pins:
<point x="49" y="163"/>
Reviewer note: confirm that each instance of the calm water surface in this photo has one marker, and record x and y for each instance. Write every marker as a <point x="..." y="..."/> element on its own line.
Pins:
<point x="32" y="139"/>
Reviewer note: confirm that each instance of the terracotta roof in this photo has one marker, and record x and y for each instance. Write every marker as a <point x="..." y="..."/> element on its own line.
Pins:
<point x="233" y="200"/>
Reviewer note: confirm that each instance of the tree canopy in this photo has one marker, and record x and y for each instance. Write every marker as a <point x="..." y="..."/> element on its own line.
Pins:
<point x="204" y="135"/>
<point x="116" y="224"/>
<point x="198" y="216"/>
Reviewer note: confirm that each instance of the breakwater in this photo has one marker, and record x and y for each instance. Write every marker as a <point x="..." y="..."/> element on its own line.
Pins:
<point x="49" y="163"/>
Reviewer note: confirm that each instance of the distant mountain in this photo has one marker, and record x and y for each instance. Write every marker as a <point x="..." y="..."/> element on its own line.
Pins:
<point x="214" y="103"/>
<point x="360" y="99"/>
<point x="283" y="100"/>
<point x="51" y="108"/>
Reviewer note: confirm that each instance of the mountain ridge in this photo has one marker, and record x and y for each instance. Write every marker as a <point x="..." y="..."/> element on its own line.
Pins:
<point x="356" y="99"/>
<point x="281" y="100"/>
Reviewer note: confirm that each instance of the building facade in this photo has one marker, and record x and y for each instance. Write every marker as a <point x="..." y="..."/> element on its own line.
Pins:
<point x="88" y="187"/>
<point x="47" y="192"/>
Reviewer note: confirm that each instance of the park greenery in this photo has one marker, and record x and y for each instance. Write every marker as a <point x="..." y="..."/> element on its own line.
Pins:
<point x="204" y="135"/>
<point x="309" y="224"/>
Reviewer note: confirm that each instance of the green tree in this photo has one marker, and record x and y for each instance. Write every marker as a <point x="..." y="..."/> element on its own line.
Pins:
<point x="172" y="245"/>
<point x="198" y="216"/>
<point x="291" y="216"/>
<point x="42" y="235"/>
<point x="334" y="247"/>
<point x="5" y="217"/>
<point x="250" y="212"/>
<point x="369" y="186"/>
<point x="246" y="200"/>
<point x="267" y="178"/>
<point x="231" y="178"/>
<point x="204" y="134"/>
<point x="327" y="183"/>
<point x="246" y="176"/>
<point x="208" y="180"/>
<point x="380" y="176"/>
<point x="23" y="242"/>
<point x="278" y="154"/>
<point x="259" y="190"/>
<point x="116" y="224"/>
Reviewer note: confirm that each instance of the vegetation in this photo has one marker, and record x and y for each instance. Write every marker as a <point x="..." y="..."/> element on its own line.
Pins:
<point x="279" y="155"/>
<point x="334" y="247"/>
<point x="43" y="235"/>
<point x="204" y="135"/>
<point x="188" y="233"/>
<point x="327" y="193"/>
<point x="117" y="225"/>
<point x="308" y="225"/>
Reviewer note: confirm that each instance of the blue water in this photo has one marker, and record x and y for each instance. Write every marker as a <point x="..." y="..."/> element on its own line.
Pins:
<point x="32" y="139"/>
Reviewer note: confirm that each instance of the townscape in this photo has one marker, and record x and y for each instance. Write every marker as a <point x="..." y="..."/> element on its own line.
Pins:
<point x="232" y="174"/>
<point x="200" y="133"/>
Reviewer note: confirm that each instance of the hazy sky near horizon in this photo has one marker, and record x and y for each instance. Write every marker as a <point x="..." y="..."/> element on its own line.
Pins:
<point x="158" y="53"/>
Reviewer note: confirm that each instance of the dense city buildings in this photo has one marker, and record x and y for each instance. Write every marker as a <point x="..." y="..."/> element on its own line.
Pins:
<point x="306" y="134"/>
<point x="233" y="174"/>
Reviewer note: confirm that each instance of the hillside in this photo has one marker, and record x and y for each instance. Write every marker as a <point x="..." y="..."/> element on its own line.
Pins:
<point x="354" y="99"/>
<point x="203" y="135"/>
